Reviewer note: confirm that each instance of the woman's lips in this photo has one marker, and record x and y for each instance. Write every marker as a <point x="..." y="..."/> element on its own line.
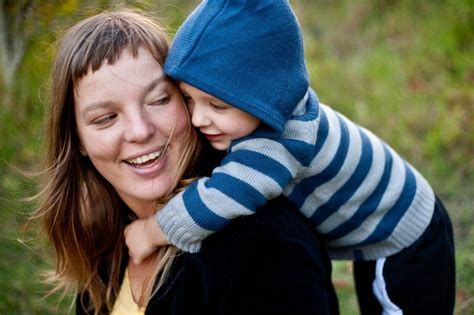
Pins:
<point x="151" y="167"/>
<point x="142" y="160"/>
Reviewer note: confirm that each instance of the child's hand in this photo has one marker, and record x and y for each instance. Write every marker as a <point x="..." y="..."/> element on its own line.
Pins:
<point x="143" y="237"/>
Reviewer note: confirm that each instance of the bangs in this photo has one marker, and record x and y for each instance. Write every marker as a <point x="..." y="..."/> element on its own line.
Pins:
<point x="102" y="39"/>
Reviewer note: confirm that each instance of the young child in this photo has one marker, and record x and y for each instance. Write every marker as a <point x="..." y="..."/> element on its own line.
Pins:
<point x="240" y="65"/>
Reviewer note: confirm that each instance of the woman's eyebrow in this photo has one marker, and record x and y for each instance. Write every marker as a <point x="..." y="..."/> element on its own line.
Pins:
<point x="155" y="82"/>
<point x="149" y="87"/>
<point x="93" y="106"/>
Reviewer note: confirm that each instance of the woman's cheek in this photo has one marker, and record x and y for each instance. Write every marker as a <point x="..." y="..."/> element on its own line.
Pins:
<point x="103" y="144"/>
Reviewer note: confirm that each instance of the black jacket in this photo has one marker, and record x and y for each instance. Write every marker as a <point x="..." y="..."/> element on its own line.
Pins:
<point x="268" y="263"/>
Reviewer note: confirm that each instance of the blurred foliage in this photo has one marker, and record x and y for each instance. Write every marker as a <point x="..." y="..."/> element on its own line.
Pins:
<point x="403" y="69"/>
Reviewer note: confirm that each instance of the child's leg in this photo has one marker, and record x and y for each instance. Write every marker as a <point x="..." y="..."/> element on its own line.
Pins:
<point x="418" y="280"/>
<point x="364" y="276"/>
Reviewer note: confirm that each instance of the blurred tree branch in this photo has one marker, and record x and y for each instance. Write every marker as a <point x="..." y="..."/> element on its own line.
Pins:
<point x="13" y="37"/>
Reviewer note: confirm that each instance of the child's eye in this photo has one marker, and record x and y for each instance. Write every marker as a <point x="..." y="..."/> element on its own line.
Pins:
<point x="104" y="120"/>
<point x="217" y="106"/>
<point x="187" y="99"/>
<point x="189" y="102"/>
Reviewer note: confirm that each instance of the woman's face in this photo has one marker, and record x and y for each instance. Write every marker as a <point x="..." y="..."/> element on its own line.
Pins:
<point x="126" y="114"/>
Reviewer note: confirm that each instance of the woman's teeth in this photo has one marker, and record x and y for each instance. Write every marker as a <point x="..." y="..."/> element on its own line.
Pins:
<point x="145" y="158"/>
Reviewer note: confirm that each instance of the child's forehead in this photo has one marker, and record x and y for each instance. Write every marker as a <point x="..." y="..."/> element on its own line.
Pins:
<point x="196" y="92"/>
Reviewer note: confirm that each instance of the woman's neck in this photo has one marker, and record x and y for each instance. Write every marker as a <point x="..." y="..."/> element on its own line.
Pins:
<point x="138" y="276"/>
<point x="142" y="208"/>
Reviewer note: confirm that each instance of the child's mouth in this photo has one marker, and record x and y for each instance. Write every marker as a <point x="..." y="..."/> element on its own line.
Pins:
<point x="213" y="137"/>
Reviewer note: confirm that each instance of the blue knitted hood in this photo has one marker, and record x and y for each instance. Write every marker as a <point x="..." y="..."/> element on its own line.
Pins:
<point x="249" y="53"/>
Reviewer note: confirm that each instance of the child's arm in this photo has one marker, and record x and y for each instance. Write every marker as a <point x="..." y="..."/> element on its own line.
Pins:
<point x="257" y="169"/>
<point x="143" y="237"/>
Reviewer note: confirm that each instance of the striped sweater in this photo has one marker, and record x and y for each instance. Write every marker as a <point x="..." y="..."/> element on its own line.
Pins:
<point x="363" y="198"/>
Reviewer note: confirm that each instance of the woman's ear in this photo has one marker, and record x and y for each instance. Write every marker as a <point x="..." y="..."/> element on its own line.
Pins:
<point x="82" y="151"/>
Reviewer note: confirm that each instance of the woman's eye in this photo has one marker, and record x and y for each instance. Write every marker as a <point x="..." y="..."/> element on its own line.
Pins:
<point x="105" y="119"/>
<point x="161" y="101"/>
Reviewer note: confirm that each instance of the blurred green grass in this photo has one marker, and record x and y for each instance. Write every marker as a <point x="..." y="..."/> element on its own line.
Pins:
<point x="404" y="69"/>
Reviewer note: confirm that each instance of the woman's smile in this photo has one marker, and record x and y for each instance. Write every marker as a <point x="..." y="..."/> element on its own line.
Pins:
<point x="148" y="165"/>
<point x="145" y="159"/>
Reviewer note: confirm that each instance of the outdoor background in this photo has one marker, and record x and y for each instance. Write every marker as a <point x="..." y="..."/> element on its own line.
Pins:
<point x="404" y="69"/>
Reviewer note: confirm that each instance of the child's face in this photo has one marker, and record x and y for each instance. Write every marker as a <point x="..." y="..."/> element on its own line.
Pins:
<point x="218" y="121"/>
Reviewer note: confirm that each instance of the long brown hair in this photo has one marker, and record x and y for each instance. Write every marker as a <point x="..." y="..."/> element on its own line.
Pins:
<point x="82" y="214"/>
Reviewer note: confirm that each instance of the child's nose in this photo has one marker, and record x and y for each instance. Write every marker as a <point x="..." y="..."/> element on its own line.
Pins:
<point x="199" y="117"/>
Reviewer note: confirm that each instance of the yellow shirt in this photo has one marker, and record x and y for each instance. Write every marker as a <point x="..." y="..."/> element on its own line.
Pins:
<point x="125" y="305"/>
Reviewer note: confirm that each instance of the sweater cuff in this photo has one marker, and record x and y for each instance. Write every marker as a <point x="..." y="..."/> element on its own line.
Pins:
<point x="180" y="229"/>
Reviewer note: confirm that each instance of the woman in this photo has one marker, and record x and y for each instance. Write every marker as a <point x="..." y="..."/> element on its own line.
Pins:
<point x="119" y="142"/>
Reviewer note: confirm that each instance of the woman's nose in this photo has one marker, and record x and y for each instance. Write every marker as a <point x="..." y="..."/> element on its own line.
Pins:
<point x="199" y="116"/>
<point x="139" y="127"/>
